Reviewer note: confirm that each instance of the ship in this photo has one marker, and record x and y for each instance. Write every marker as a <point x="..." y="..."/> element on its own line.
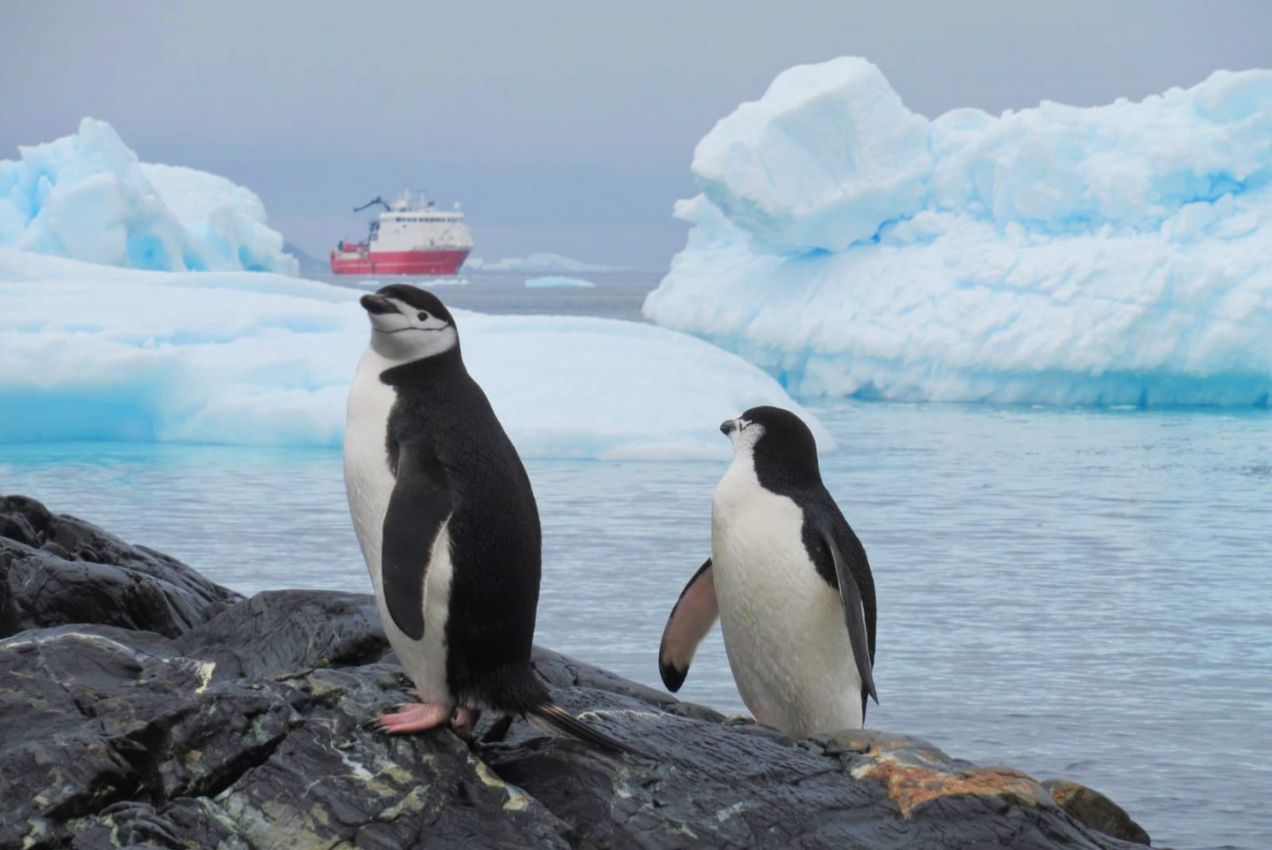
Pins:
<point x="407" y="239"/>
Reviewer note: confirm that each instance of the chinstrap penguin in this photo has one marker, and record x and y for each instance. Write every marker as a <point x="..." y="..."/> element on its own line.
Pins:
<point x="447" y="522"/>
<point x="788" y="580"/>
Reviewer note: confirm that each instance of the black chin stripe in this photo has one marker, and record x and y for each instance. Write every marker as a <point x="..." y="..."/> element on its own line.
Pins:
<point x="425" y="330"/>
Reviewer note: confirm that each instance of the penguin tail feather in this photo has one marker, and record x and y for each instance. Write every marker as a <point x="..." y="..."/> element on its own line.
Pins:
<point x="553" y="718"/>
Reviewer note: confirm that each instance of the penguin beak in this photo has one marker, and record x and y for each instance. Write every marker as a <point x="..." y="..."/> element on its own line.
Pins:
<point x="728" y="426"/>
<point x="376" y="304"/>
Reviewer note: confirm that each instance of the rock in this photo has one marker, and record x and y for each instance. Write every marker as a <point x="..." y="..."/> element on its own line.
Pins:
<point x="261" y="636"/>
<point x="246" y="725"/>
<point x="1095" y="810"/>
<point x="57" y="569"/>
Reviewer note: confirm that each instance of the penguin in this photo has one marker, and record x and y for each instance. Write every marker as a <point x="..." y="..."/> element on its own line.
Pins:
<point x="448" y="525"/>
<point x="789" y="582"/>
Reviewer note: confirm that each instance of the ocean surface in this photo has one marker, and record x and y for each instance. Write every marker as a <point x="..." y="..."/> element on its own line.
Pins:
<point x="1076" y="593"/>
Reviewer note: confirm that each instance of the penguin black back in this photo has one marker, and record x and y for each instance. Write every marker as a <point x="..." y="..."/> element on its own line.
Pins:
<point x="494" y="526"/>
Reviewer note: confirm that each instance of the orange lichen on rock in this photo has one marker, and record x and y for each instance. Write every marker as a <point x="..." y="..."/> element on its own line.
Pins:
<point x="912" y="785"/>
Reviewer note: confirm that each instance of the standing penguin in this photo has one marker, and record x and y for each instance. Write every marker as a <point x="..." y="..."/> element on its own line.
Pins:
<point x="447" y="523"/>
<point x="788" y="580"/>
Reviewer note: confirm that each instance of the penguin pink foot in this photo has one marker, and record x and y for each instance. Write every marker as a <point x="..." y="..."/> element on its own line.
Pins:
<point x="415" y="717"/>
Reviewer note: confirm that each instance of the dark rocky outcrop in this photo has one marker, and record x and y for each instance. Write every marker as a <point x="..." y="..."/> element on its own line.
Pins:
<point x="1095" y="810"/>
<point x="57" y="569"/>
<point x="167" y="712"/>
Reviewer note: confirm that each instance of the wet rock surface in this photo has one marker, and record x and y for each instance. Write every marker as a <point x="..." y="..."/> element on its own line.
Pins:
<point x="190" y="717"/>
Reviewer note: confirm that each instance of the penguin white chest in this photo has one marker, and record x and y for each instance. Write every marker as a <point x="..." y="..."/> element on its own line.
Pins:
<point x="369" y="485"/>
<point x="783" y="625"/>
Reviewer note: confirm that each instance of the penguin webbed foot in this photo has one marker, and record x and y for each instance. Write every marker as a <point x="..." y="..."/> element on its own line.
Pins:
<point x="415" y="717"/>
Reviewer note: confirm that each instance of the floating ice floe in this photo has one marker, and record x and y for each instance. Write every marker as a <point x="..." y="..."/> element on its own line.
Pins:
<point x="1113" y="255"/>
<point x="88" y="197"/>
<point x="541" y="261"/>
<point x="558" y="282"/>
<point x="93" y="352"/>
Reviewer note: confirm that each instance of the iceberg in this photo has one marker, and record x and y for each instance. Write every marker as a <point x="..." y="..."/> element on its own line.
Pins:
<point x="92" y="352"/>
<point x="1115" y="255"/>
<point x="88" y="197"/>
<point x="558" y="282"/>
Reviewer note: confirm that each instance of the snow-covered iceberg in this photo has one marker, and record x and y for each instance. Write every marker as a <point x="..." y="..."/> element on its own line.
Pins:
<point x="1112" y="255"/>
<point x="98" y="353"/>
<point x="88" y="197"/>
<point x="558" y="282"/>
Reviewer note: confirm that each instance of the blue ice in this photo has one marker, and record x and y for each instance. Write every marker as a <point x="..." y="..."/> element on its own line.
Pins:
<point x="88" y="197"/>
<point x="1114" y="255"/>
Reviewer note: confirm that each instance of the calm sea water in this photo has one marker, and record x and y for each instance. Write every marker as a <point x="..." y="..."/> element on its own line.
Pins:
<point x="1075" y="593"/>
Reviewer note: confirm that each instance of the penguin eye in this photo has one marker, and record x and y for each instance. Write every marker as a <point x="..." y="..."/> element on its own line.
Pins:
<point x="422" y="316"/>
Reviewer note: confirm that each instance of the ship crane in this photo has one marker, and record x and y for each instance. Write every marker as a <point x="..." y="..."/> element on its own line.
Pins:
<point x="373" y="202"/>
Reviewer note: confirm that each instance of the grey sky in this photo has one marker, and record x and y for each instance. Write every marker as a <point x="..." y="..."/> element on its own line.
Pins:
<point x="563" y="127"/>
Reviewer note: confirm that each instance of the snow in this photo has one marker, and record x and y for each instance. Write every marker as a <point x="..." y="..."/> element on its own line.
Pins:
<point x="88" y="197"/>
<point x="92" y="352"/>
<point x="558" y="282"/>
<point x="537" y="262"/>
<point x="1116" y="255"/>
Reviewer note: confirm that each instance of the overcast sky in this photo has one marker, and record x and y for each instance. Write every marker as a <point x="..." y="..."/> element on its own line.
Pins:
<point x="564" y="127"/>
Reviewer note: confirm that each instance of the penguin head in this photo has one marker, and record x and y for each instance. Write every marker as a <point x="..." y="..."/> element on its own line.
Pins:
<point x="776" y="438"/>
<point x="409" y="324"/>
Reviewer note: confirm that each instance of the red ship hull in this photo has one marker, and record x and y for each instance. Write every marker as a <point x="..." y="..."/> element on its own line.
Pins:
<point x="398" y="262"/>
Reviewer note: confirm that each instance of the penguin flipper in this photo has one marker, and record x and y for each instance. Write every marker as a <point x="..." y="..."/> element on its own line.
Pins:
<point x="692" y="617"/>
<point x="420" y="504"/>
<point x="854" y="617"/>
